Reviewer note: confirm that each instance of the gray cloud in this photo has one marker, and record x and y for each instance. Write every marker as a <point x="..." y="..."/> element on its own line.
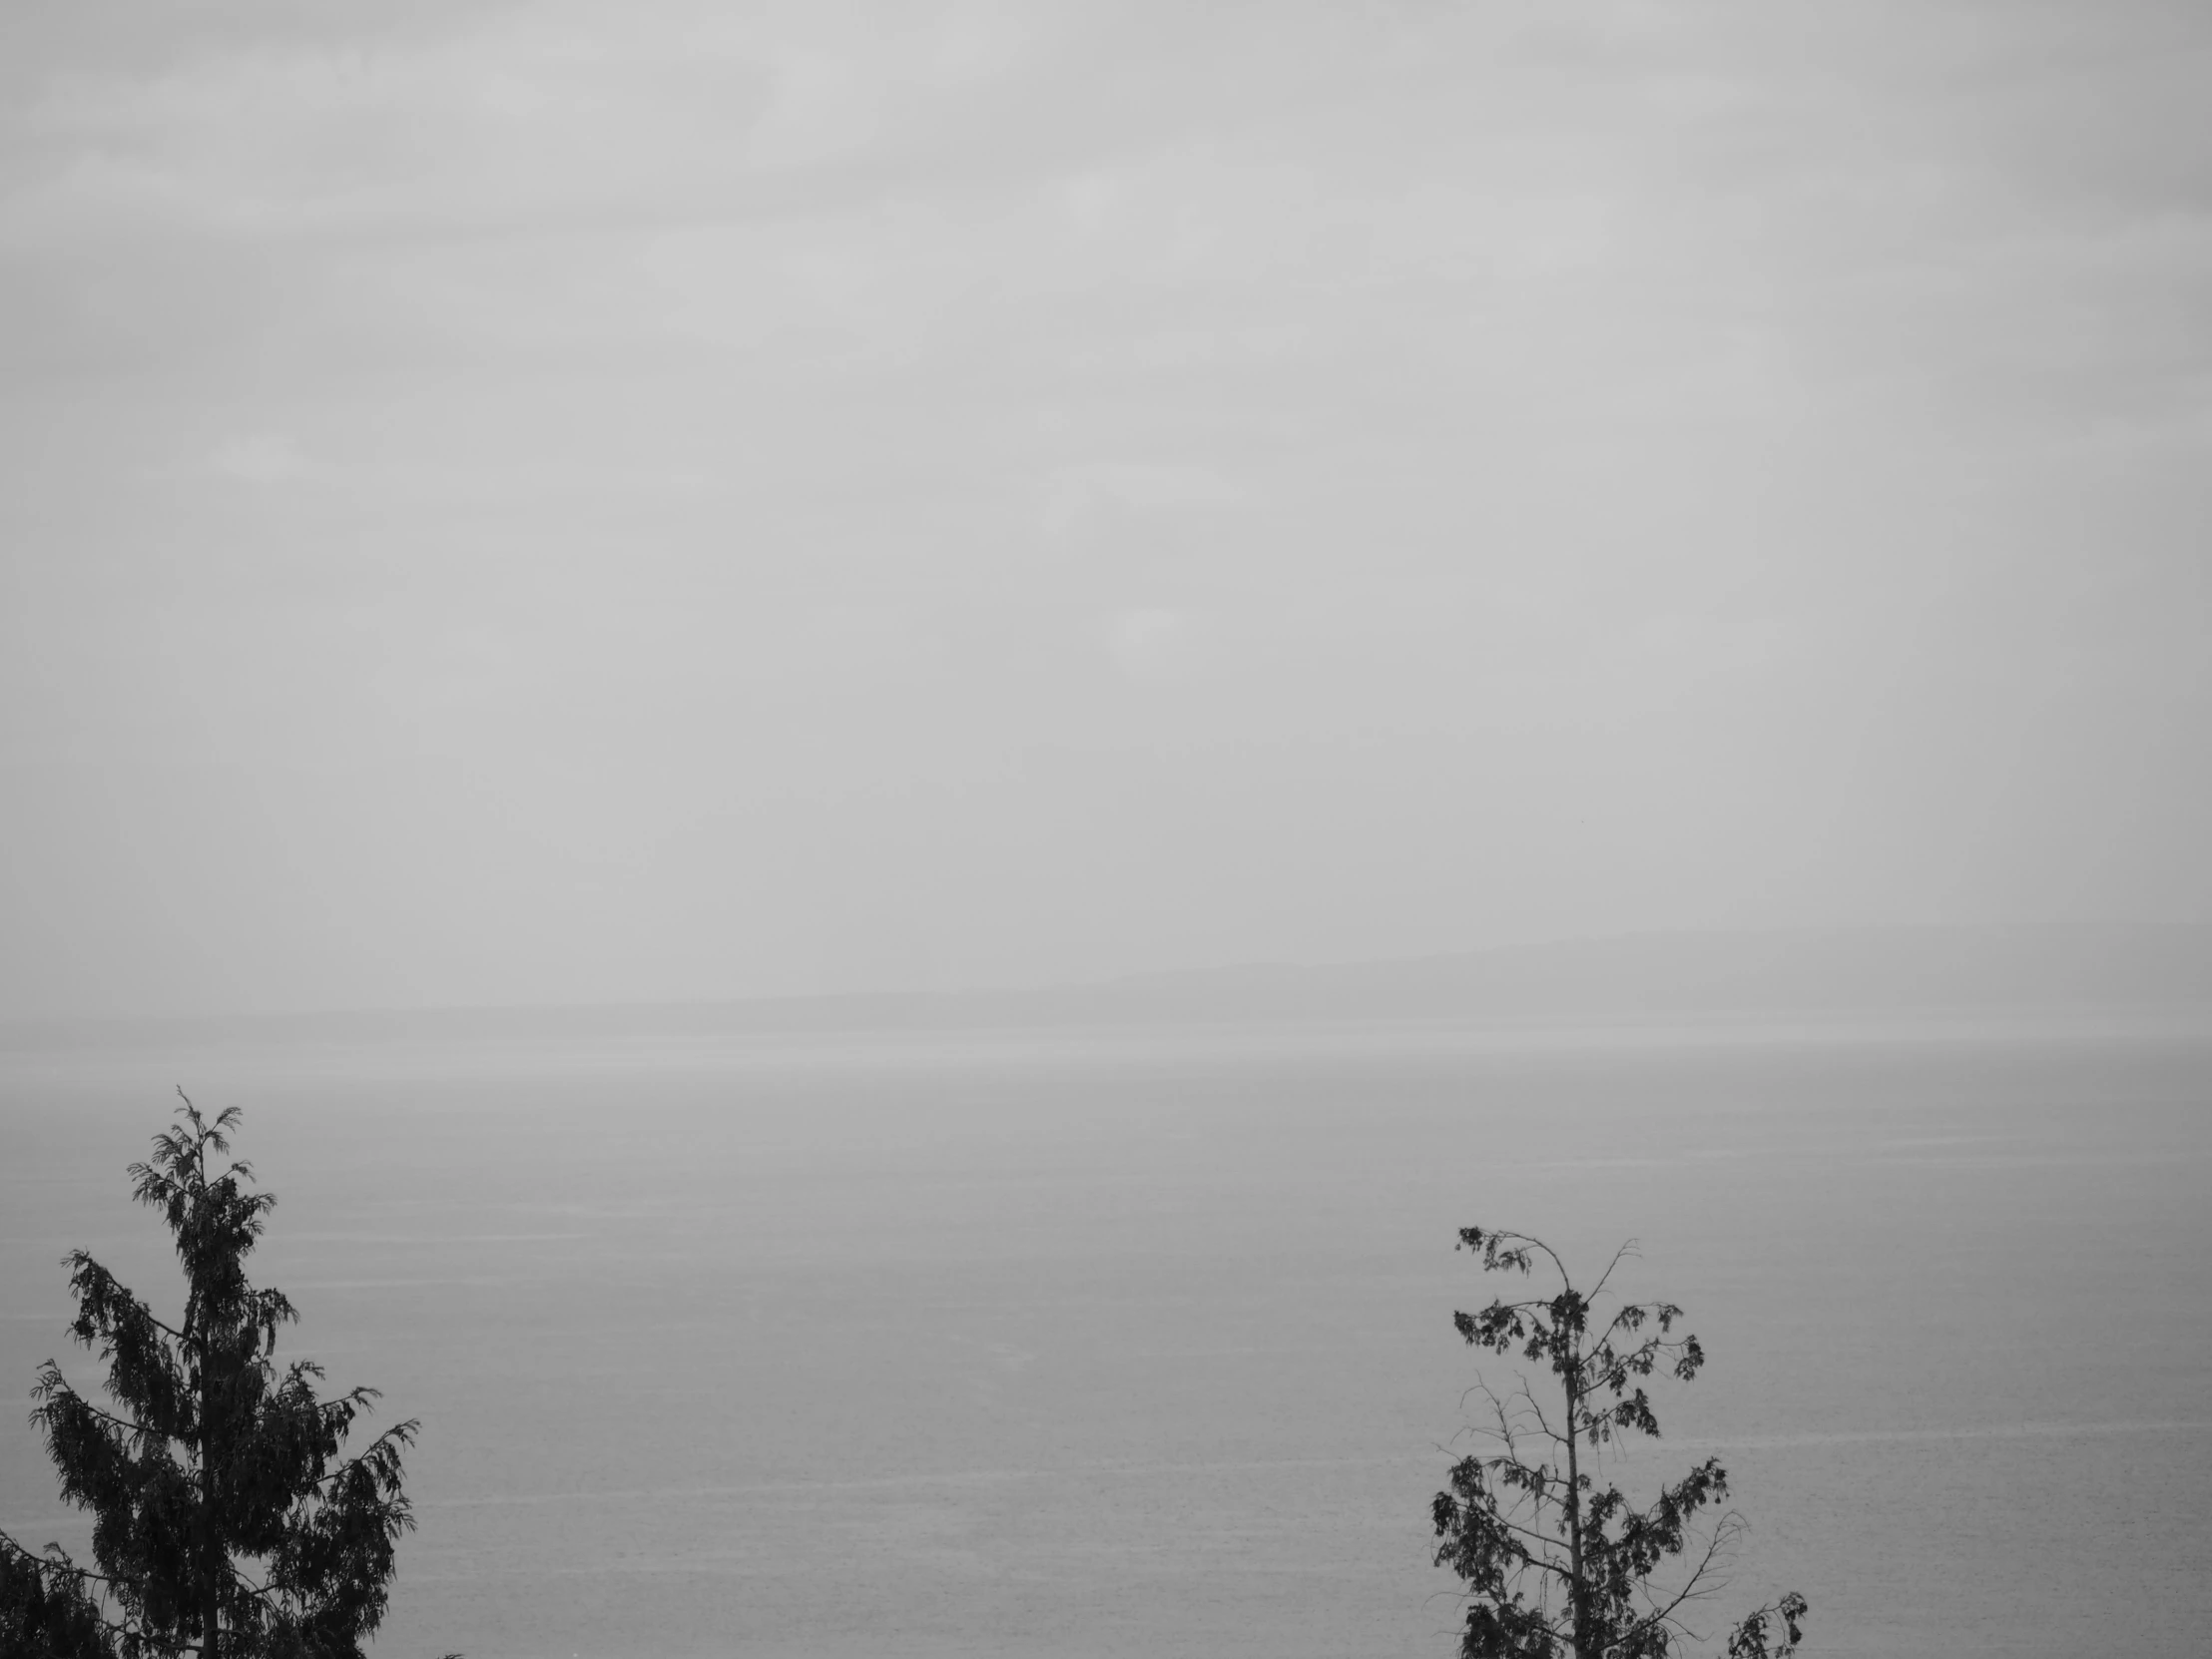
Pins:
<point x="572" y="501"/>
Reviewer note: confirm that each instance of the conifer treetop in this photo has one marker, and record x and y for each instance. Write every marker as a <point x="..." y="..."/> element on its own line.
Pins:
<point x="228" y="1521"/>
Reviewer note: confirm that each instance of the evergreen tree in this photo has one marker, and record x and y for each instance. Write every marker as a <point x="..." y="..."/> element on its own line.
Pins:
<point x="226" y="1524"/>
<point x="1556" y="1566"/>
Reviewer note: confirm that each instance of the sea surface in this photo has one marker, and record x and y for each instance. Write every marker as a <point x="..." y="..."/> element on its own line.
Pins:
<point x="1142" y="1343"/>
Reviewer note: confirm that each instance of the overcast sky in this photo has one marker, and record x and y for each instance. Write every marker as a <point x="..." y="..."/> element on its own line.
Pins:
<point x="568" y="501"/>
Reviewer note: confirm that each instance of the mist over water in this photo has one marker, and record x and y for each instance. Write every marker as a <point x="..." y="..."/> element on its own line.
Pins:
<point x="1125" y="1343"/>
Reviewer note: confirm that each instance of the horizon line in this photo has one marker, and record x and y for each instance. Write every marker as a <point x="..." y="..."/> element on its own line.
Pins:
<point x="1133" y="979"/>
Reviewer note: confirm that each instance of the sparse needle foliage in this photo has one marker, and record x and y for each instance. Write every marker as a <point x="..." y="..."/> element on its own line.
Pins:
<point x="1556" y="1565"/>
<point x="226" y="1521"/>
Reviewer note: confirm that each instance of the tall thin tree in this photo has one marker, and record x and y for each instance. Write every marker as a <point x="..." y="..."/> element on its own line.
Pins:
<point x="1556" y="1566"/>
<point x="225" y="1522"/>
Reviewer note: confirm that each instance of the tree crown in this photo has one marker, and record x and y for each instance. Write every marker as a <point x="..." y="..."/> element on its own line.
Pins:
<point x="1555" y="1564"/>
<point x="227" y="1521"/>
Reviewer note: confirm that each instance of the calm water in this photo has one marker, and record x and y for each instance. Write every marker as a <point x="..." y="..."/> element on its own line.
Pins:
<point x="1145" y="1346"/>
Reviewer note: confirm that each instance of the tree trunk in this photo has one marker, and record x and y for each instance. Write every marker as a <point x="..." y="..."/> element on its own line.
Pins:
<point x="1576" y="1600"/>
<point x="211" y="1542"/>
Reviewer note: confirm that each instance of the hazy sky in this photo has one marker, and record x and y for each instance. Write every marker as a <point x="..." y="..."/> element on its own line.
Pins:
<point x="571" y="502"/>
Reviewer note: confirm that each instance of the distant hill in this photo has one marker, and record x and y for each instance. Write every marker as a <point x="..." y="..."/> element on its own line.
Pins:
<point x="1871" y="973"/>
<point x="2072" y="972"/>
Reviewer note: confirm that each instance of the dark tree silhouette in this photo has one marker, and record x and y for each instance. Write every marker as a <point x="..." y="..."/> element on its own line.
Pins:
<point x="225" y="1522"/>
<point x="1556" y="1566"/>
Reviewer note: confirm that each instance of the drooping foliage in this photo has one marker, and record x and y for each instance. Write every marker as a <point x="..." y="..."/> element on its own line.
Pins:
<point x="227" y="1522"/>
<point x="1557" y="1566"/>
<point x="46" y="1610"/>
